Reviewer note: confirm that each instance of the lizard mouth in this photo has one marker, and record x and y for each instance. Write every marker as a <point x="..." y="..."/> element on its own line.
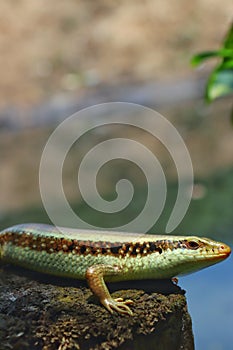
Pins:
<point x="222" y="252"/>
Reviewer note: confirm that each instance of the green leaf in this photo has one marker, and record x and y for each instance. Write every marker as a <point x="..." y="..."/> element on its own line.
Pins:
<point x="200" y="57"/>
<point x="220" y="83"/>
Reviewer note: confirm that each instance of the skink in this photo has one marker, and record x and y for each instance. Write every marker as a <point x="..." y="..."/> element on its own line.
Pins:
<point x="100" y="256"/>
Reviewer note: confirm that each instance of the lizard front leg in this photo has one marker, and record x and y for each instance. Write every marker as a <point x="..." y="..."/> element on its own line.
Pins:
<point x="95" y="276"/>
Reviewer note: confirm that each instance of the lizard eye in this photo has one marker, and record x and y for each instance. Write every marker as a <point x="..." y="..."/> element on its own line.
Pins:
<point x="192" y="245"/>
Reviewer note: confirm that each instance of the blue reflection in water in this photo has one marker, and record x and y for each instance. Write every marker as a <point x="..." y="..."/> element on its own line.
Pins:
<point x="210" y="303"/>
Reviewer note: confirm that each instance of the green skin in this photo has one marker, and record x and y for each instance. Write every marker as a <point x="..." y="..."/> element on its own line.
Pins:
<point x="173" y="256"/>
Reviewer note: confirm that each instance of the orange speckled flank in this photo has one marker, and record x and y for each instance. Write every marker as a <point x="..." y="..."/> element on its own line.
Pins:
<point x="119" y="249"/>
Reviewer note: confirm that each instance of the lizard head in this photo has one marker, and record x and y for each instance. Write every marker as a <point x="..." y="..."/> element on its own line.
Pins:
<point x="195" y="253"/>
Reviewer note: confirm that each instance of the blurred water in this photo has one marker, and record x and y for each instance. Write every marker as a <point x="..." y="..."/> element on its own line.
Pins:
<point x="210" y="303"/>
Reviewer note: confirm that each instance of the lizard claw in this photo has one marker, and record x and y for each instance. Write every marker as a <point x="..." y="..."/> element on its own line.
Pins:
<point x="127" y="302"/>
<point x="118" y="305"/>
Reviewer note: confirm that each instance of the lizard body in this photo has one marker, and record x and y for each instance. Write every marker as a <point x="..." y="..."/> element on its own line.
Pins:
<point x="100" y="256"/>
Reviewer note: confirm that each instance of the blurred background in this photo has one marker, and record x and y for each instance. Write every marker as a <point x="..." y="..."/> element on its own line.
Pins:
<point x="59" y="57"/>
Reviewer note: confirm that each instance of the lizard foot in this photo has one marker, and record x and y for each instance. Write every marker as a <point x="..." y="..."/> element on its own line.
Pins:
<point x="119" y="305"/>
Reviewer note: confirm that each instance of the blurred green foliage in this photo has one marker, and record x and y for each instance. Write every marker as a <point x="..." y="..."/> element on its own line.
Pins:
<point x="220" y="81"/>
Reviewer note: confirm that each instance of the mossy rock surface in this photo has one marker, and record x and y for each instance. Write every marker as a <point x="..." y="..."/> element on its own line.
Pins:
<point x="46" y="313"/>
